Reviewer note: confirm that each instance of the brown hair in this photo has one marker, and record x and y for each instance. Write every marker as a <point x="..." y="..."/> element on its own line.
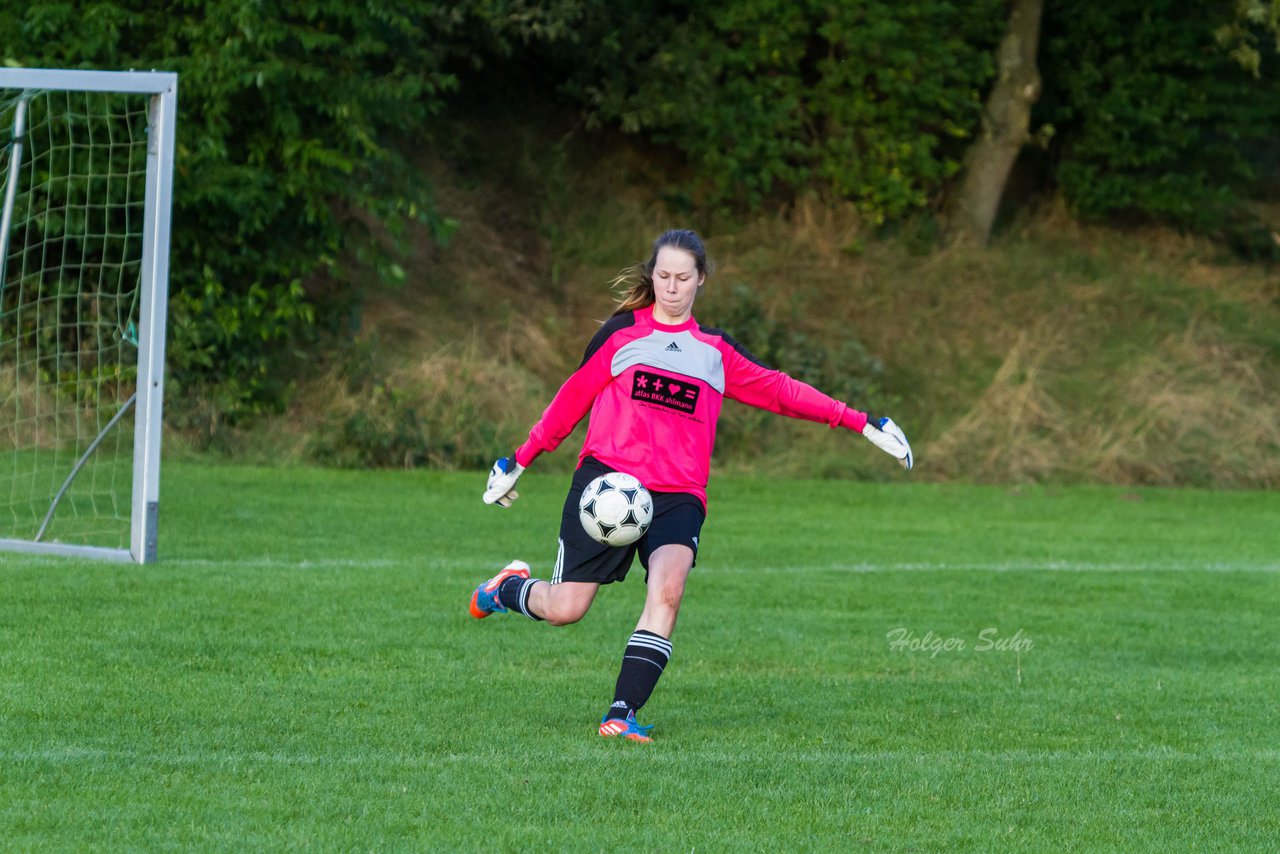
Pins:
<point x="635" y="284"/>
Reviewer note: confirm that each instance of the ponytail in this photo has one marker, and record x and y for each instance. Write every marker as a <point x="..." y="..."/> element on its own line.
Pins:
<point x="634" y="287"/>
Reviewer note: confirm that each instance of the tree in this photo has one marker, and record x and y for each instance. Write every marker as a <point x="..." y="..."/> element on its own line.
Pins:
<point x="1157" y="125"/>
<point x="298" y="127"/>
<point x="1005" y="128"/>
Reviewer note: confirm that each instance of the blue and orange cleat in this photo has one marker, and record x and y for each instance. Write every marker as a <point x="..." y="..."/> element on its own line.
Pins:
<point x="625" y="727"/>
<point x="485" y="600"/>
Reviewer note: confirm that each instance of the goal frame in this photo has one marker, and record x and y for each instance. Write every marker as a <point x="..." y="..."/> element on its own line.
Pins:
<point x="162" y="87"/>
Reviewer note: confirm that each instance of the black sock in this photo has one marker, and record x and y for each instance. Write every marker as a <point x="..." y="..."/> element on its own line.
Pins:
<point x="646" y="656"/>
<point x="514" y="595"/>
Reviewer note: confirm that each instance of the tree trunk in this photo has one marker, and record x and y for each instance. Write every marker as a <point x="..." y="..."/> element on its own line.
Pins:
<point x="1006" y="123"/>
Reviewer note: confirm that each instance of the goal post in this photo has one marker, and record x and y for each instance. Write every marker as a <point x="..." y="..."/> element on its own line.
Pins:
<point x="86" y="158"/>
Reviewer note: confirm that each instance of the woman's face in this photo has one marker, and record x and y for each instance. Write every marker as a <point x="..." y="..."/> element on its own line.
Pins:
<point x="675" y="284"/>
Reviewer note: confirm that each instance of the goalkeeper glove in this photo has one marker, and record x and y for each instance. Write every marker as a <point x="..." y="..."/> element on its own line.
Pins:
<point x="888" y="437"/>
<point x="501" y="489"/>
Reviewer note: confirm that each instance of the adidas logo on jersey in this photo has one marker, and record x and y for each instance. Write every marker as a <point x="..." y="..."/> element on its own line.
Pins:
<point x="673" y="347"/>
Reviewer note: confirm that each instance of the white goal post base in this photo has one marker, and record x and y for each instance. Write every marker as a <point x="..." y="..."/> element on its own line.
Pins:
<point x="84" y="280"/>
<point x="64" y="550"/>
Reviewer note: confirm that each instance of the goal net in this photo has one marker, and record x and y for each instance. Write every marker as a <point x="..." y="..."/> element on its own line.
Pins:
<point x="86" y="161"/>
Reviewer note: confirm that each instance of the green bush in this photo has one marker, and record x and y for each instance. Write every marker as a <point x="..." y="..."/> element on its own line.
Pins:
<point x="386" y="431"/>
<point x="290" y="157"/>
<point x="1154" y="119"/>
<point x="872" y="100"/>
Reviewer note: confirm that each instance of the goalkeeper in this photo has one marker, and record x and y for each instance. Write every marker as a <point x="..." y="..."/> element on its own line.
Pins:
<point x="653" y="380"/>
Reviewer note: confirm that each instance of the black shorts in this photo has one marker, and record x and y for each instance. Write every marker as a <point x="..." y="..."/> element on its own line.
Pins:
<point x="677" y="519"/>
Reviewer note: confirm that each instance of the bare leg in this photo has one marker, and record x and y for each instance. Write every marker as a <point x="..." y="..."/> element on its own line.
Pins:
<point x="668" y="569"/>
<point x="563" y="603"/>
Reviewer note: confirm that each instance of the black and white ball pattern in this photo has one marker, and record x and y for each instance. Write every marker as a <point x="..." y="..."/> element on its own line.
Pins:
<point x="615" y="509"/>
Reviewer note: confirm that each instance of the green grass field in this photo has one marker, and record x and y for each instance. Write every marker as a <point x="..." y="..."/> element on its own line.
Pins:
<point x="299" y="672"/>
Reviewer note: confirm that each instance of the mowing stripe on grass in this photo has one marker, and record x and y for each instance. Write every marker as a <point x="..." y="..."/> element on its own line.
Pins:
<point x="658" y="753"/>
<point x="908" y="566"/>
<point x="1048" y="566"/>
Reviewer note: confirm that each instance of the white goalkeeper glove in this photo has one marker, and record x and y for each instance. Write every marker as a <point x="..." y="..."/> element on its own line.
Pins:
<point x="888" y="437"/>
<point x="502" y="482"/>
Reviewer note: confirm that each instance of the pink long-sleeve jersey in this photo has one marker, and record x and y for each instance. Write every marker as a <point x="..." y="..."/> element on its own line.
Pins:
<point x="654" y="392"/>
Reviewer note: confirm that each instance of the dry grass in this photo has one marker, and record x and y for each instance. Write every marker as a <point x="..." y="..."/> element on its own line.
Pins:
<point x="1065" y="352"/>
<point x="36" y="414"/>
<point x="1198" y="410"/>
<point x="1015" y="430"/>
<point x="1042" y="359"/>
<point x="1194" y="409"/>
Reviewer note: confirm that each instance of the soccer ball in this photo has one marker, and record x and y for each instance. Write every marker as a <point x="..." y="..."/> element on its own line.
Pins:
<point x="615" y="509"/>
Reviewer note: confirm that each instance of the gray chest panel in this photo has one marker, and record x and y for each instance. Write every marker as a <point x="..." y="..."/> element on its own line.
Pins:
<point x="674" y="351"/>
